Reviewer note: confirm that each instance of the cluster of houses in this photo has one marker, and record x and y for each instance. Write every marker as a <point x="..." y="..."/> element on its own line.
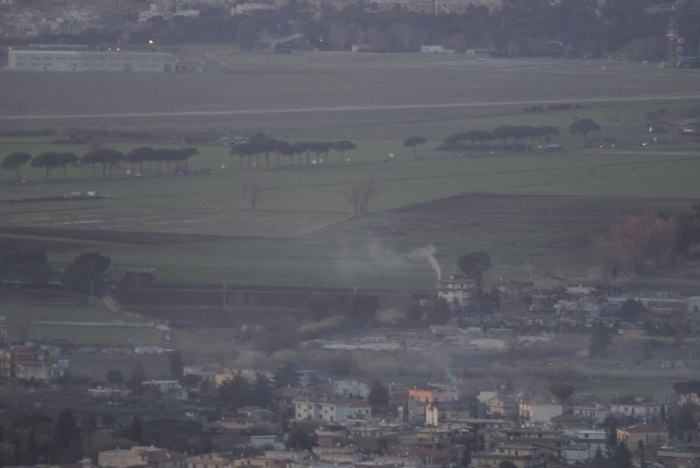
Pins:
<point x="553" y="304"/>
<point x="29" y="362"/>
<point x="39" y="362"/>
<point x="468" y="423"/>
<point x="20" y="19"/>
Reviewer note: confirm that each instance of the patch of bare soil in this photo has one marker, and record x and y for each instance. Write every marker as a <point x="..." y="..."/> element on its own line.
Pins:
<point x="544" y="205"/>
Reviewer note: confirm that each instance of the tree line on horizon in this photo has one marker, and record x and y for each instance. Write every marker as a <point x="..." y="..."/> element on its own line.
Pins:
<point x="517" y="134"/>
<point x="574" y="28"/>
<point x="107" y="158"/>
<point x="260" y="145"/>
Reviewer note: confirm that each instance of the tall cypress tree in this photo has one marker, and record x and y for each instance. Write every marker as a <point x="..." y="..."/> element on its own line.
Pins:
<point x="136" y="429"/>
<point x="67" y="431"/>
<point x="262" y="391"/>
<point x="30" y="454"/>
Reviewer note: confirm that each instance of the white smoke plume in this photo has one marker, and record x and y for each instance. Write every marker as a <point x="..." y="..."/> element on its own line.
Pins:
<point x="428" y="252"/>
<point x="377" y="256"/>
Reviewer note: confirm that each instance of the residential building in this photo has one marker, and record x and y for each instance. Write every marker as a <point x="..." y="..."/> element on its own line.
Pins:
<point x="656" y="301"/>
<point x="522" y="456"/>
<point x="38" y="371"/>
<point x="168" y="388"/>
<point x="255" y="412"/>
<point x="506" y="406"/>
<point x="205" y="375"/>
<point x="426" y="456"/>
<point x="455" y="290"/>
<point x="595" y="438"/>
<point x="433" y="393"/>
<point x="107" y="392"/>
<point x="577" y="292"/>
<point x="650" y="435"/>
<point x="331" y="410"/>
<point x="283" y="397"/>
<point x="266" y="441"/>
<point x="526" y="434"/>
<point x="13" y="356"/>
<point x="436" y="413"/>
<point x="585" y="308"/>
<point x="594" y="412"/>
<point x="533" y="411"/>
<point x="330" y="435"/>
<point x="237" y="424"/>
<point x="644" y="408"/>
<point x="350" y="389"/>
<point x="150" y="457"/>
<point x="576" y="453"/>
<point x="419" y="6"/>
<point x="248" y="8"/>
<point x="683" y="457"/>
<point x="211" y="460"/>
<point x="165" y="7"/>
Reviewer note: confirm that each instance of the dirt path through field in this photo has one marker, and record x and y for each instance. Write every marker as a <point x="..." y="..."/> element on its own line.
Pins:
<point x="114" y="307"/>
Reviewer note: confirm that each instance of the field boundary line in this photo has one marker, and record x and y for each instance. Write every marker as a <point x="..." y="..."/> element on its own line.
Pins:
<point x="345" y="108"/>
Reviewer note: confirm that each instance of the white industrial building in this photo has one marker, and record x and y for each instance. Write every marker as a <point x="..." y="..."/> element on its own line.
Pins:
<point x="84" y="61"/>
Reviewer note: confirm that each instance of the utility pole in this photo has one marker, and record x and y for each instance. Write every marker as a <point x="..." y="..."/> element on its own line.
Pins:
<point x="560" y="311"/>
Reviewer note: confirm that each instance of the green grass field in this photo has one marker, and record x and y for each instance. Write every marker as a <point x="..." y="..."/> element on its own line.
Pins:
<point x="536" y="213"/>
<point x="606" y="172"/>
<point x="303" y="231"/>
<point x="89" y="335"/>
<point x="21" y="311"/>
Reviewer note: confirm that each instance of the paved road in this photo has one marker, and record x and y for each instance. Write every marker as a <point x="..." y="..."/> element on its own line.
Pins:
<point x="350" y="108"/>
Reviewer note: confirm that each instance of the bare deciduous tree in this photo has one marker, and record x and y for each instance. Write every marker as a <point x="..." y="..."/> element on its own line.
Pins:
<point x="637" y="245"/>
<point x="252" y="188"/>
<point x="361" y="190"/>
